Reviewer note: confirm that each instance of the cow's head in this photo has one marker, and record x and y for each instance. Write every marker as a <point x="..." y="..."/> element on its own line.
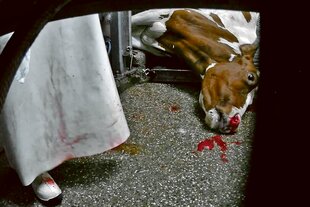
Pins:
<point x="227" y="89"/>
<point x="220" y="45"/>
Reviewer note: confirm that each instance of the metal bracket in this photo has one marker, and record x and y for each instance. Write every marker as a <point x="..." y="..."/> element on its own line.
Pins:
<point x="128" y="57"/>
<point x="172" y="75"/>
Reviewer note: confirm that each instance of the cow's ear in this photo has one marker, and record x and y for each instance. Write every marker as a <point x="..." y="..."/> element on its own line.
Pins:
<point x="248" y="49"/>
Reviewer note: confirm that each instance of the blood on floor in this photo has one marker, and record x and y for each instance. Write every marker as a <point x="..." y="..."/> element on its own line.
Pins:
<point x="211" y="142"/>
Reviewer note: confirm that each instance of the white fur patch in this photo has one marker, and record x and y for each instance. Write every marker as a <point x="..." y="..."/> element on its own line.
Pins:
<point x="232" y="56"/>
<point x="210" y="66"/>
<point x="233" y="45"/>
<point x="212" y="116"/>
<point x="148" y="17"/>
<point x="235" y="23"/>
<point x="248" y="102"/>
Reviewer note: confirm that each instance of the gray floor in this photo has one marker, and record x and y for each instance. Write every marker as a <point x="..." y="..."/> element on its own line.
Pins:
<point x="159" y="165"/>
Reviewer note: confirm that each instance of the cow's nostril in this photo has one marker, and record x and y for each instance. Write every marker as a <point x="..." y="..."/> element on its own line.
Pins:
<point x="234" y="121"/>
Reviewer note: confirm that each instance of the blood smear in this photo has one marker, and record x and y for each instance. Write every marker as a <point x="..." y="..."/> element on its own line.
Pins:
<point x="215" y="140"/>
<point x="174" y="108"/>
<point x="49" y="181"/>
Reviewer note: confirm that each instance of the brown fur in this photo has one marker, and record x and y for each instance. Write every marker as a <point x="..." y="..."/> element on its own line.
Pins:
<point x="194" y="38"/>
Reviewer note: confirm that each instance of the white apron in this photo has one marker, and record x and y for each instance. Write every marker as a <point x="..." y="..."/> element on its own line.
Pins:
<point x="67" y="105"/>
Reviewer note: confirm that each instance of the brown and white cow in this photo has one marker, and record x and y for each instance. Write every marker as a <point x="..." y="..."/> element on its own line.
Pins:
<point x="217" y="44"/>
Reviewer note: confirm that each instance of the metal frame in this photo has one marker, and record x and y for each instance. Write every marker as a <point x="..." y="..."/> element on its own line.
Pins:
<point x="121" y="53"/>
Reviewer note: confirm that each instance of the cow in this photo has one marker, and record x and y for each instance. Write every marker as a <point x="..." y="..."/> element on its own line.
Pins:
<point x="219" y="45"/>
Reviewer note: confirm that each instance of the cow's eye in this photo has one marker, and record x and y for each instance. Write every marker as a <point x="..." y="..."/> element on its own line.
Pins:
<point x="251" y="77"/>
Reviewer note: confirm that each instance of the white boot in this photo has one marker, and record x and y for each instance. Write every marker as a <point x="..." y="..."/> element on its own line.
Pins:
<point x="45" y="187"/>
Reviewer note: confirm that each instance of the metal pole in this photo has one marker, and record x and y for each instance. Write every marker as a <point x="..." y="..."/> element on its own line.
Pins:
<point x="121" y="53"/>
